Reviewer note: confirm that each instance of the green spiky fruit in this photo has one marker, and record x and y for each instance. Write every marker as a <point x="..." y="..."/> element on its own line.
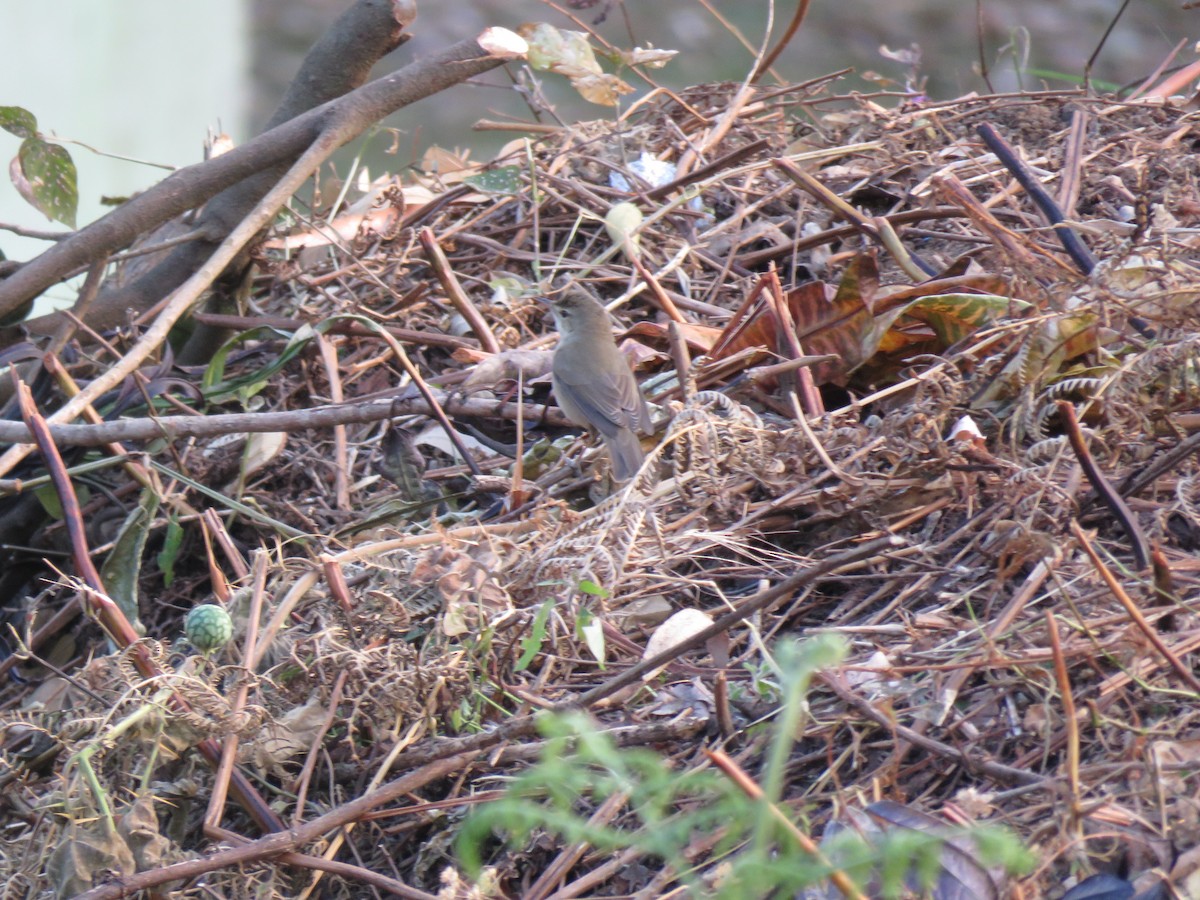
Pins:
<point x="208" y="627"/>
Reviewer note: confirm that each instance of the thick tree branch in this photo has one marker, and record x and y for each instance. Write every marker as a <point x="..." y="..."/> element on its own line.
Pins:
<point x="339" y="62"/>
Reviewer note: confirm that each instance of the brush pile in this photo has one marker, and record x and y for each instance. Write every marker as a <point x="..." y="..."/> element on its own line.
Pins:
<point x="913" y="392"/>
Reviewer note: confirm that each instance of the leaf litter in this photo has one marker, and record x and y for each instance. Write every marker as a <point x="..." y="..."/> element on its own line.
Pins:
<point x="1008" y="660"/>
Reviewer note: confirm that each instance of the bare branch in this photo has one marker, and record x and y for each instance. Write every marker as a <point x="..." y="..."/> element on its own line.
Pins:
<point x="260" y="160"/>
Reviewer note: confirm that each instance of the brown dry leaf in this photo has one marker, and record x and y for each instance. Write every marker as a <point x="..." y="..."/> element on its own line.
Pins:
<point x="378" y="211"/>
<point x="509" y="366"/>
<point x="53" y="694"/>
<point x="1017" y="546"/>
<point x="681" y="626"/>
<point x="645" y="612"/>
<point x="640" y="356"/>
<point x="603" y="89"/>
<point x="467" y="585"/>
<point x="285" y="738"/>
<point x="962" y="875"/>
<point x="975" y="803"/>
<point x="862" y="320"/>
<point x="760" y="328"/>
<point x="261" y="448"/>
<point x="451" y="166"/>
<point x="650" y="57"/>
<point x="700" y="338"/>
<point x="868" y="676"/>
<point x="87" y="856"/>
<point x="840" y="323"/>
<point x="569" y="53"/>
<point x="1185" y="874"/>
<point x="139" y="826"/>
<point x="469" y="355"/>
<point x="1174" y="760"/>
<point x="750" y="233"/>
<point x="348" y="226"/>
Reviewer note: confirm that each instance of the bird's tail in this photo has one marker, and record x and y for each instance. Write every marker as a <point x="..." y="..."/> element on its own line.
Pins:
<point x="626" y="452"/>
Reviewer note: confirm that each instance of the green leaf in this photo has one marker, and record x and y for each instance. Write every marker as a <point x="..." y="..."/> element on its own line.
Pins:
<point x="532" y="643"/>
<point x="170" y="551"/>
<point x="51" y="181"/>
<point x="19" y="121"/>
<point x="501" y="180"/>
<point x="595" y="590"/>
<point x="48" y="497"/>
<point x="124" y="564"/>
<point x="213" y="382"/>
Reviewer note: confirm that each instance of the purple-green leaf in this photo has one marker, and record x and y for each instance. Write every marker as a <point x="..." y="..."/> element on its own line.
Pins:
<point x="19" y="121"/>
<point x="49" y="173"/>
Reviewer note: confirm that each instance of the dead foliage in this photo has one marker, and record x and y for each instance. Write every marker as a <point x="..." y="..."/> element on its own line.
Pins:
<point x="1022" y="653"/>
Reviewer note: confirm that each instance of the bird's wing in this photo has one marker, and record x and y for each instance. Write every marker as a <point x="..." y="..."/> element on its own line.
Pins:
<point x="610" y="401"/>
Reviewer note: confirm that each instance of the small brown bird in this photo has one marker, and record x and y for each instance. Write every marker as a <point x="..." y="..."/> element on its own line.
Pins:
<point x="593" y="382"/>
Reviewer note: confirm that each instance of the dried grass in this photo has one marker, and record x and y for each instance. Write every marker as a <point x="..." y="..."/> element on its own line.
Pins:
<point x="950" y="698"/>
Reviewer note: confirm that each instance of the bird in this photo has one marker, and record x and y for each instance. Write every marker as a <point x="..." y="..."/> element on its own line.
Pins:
<point x="593" y="382"/>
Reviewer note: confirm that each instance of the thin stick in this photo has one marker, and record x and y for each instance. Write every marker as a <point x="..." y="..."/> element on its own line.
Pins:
<point x="789" y="33"/>
<point x="1112" y="499"/>
<point x="454" y="292"/>
<point x="341" y="466"/>
<point x="751" y="789"/>
<point x="1135" y="614"/>
<point x="1068" y="702"/>
<point x="216" y="800"/>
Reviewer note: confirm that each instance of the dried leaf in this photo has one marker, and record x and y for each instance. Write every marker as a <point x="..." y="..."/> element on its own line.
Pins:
<point x="842" y="325"/>
<point x="87" y="856"/>
<point x="471" y="595"/>
<point x="503" y="369"/>
<point x="677" y="629"/>
<point x="644" y="612"/>
<point x="603" y="90"/>
<point x="139" y="826"/>
<point x="261" y="448"/>
<point x="591" y="629"/>
<point x="570" y="54"/>
<point x="650" y="57"/>
<point x="700" y="338"/>
<point x="622" y="223"/>
<point x="283" y="739"/>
